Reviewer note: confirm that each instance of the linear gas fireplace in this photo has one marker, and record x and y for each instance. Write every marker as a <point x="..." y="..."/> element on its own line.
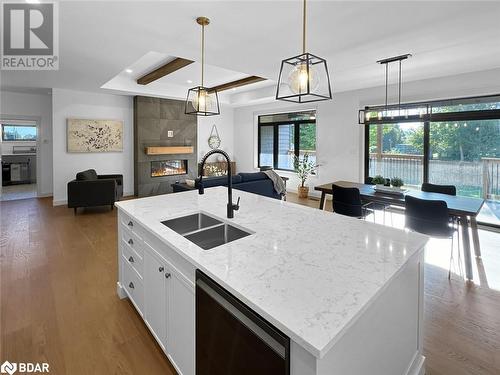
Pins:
<point x="163" y="168"/>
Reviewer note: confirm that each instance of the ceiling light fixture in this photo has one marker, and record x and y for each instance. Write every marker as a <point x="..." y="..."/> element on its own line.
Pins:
<point x="200" y="100"/>
<point x="129" y="71"/>
<point x="386" y="62"/>
<point x="394" y="112"/>
<point x="189" y="81"/>
<point x="304" y="78"/>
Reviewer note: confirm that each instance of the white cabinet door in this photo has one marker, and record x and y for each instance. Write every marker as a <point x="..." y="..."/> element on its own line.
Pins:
<point x="181" y="324"/>
<point x="155" y="295"/>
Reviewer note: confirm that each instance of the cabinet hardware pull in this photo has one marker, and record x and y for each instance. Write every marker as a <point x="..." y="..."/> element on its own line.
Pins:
<point x="131" y="241"/>
<point x="131" y="259"/>
<point x="130" y="224"/>
<point x="161" y="269"/>
<point x="167" y="275"/>
<point x="131" y="285"/>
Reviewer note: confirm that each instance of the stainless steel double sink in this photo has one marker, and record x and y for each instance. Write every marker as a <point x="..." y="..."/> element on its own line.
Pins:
<point x="205" y="231"/>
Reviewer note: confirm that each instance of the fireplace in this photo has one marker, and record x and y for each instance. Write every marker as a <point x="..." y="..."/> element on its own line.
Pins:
<point x="162" y="168"/>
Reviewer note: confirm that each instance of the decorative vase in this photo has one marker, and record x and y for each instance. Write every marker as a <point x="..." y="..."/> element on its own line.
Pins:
<point x="303" y="191"/>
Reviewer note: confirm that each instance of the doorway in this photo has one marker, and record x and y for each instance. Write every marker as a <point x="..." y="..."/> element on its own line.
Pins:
<point x="19" y="139"/>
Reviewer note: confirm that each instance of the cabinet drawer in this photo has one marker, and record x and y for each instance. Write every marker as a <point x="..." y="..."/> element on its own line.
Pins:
<point x="134" y="286"/>
<point x="131" y="225"/>
<point x="133" y="241"/>
<point x="132" y="258"/>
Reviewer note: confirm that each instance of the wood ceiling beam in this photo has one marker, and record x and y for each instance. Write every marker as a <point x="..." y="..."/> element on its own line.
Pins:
<point x="237" y="83"/>
<point x="162" y="71"/>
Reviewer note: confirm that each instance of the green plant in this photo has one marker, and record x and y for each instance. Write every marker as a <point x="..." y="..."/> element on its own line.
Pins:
<point x="397" y="182"/>
<point x="378" y="180"/>
<point x="304" y="167"/>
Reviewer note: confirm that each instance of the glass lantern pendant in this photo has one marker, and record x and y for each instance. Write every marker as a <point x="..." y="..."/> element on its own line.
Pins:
<point x="202" y="101"/>
<point x="304" y="78"/>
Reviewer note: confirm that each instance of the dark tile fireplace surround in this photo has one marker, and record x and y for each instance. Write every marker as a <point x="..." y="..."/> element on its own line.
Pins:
<point x="154" y="118"/>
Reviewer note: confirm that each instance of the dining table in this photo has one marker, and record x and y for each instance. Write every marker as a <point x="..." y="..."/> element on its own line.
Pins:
<point x="465" y="209"/>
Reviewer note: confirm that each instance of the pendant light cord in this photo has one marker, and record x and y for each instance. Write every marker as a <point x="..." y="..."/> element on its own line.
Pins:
<point x="386" y="85"/>
<point x="304" y="28"/>
<point x="399" y="103"/>
<point x="202" y="51"/>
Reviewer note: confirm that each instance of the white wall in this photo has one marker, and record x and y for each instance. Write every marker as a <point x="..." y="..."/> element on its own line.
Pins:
<point x="225" y="126"/>
<point x="340" y="140"/>
<point x="78" y="104"/>
<point x="38" y="107"/>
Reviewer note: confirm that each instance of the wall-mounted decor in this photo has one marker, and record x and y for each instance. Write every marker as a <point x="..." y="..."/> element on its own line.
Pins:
<point x="95" y="135"/>
<point x="214" y="139"/>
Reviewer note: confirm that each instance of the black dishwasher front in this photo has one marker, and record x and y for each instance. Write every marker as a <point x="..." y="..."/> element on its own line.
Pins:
<point x="231" y="339"/>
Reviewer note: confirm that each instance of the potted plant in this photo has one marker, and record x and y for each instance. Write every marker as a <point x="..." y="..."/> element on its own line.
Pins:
<point x="379" y="181"/>
<point x="397" y="182"/>
<point x="304" y="168"/>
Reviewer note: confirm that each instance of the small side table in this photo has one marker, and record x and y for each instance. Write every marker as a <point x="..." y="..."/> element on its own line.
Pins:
<point x="285" y="179"/>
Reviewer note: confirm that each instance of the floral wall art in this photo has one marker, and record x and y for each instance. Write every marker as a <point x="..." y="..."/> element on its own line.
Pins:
<point x="95" y="135"/>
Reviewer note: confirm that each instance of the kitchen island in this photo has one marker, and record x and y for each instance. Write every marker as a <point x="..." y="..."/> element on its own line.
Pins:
<point x="348" y="293"/>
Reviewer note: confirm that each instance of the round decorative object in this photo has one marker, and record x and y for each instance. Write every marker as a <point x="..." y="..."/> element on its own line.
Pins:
<point x="214" y="139"/>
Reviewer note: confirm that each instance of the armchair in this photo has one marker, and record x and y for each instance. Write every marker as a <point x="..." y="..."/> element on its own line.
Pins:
<point x="90" y="189"/>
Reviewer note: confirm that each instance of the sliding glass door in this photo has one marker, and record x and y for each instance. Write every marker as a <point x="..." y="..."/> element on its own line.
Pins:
<point x="456" y="143"/>
<point x="396" y="150"/>
<point x="467" y="154"/>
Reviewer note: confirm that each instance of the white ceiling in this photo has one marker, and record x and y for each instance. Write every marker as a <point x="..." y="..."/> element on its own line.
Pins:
<point x="98" y="40"/>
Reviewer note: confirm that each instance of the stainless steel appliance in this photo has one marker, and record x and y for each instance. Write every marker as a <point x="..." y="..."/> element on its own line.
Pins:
<point x="232" y="339"/>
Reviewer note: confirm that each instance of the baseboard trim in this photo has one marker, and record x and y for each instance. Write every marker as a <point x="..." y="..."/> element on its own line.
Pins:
<point x="44" y="195"/>
<point x="119" y="290"/>
<point x="418" y="365"/>
<point x="62" y="202"/>
<point x="59" y="202"/>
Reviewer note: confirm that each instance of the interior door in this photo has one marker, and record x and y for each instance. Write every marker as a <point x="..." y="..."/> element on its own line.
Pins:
<point x="155" y="295"/>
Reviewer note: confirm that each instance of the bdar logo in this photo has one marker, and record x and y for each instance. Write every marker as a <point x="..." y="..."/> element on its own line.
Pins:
<point x="8" y="368"/>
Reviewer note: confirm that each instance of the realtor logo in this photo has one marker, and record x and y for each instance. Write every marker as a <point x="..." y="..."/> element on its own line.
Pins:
<point x="8" y="368"/>
<point x="30" y="36"/>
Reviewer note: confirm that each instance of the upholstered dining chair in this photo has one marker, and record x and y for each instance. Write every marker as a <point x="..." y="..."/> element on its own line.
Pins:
<point x="431" y="217"/>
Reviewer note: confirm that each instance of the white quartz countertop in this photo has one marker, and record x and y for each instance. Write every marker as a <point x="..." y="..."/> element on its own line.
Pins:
<point x="309" y="272"/>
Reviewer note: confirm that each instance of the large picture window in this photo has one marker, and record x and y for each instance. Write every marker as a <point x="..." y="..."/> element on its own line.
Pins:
<point x="458" y="144"/>
<point x="18" y="132"/>
<point x="284" y="136"/>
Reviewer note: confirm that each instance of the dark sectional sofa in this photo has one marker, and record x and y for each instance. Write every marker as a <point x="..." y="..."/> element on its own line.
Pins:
<point x="257" y="183"/>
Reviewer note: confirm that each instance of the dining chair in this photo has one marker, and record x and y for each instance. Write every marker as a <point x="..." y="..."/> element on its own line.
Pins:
<point x="379" y="206"/>
<point x="431" y="217"/>
<point x="347" y="201"/>
<point x="443" y="189"/>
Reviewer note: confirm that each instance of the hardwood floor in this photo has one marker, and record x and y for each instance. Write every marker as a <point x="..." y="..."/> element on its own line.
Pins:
<point x="58" y="294"/>
<point x="58" y="300"/>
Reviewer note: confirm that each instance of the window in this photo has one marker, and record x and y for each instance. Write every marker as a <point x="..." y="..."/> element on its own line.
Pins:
<point x="18" y="132"/>
<point x="458" y="143"/>
<point x="396" y="150"/>
<point x="284" y="136"/>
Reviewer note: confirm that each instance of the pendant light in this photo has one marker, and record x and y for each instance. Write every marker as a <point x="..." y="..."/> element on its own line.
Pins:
<point x="304" y="78"/>
<point x="202" y="101"/>
<point x="398" y="111"/>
